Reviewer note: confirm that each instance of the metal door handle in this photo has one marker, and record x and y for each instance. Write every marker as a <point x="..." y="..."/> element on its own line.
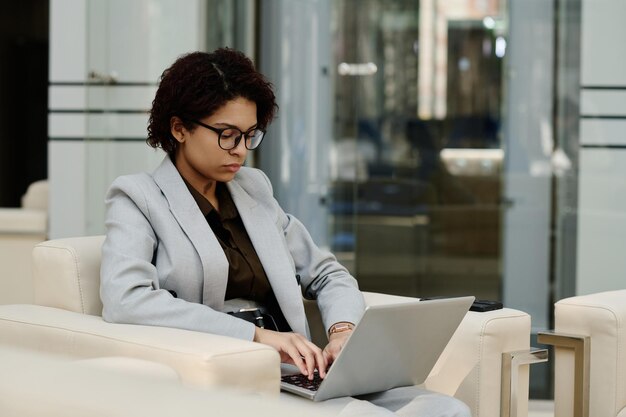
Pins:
<point x="356" y="69"/>
<point x="103" y="78"/>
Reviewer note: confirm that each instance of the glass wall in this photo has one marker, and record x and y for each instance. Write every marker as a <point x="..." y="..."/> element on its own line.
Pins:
<point x="417" y="153"/>
<point x="427" y="143"/>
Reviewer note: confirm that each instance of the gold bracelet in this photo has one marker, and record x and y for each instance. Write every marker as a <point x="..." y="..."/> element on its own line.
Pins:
<point x="340" y="327"/>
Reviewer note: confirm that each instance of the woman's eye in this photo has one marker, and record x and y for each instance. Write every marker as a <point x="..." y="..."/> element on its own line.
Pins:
<point x="229" y="133"/>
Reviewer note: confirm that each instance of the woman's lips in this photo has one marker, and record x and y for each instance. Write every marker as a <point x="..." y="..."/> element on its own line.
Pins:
<point x="233" y="167"/>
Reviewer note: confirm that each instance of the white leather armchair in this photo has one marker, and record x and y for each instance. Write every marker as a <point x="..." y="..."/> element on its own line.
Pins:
<point x="65" y="319"/>
<point x="20" y="230"/>
<point x="590" y="355"/>
<point x="38" y="385"/>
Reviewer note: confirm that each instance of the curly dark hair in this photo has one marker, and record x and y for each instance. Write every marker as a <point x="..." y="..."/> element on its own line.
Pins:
<point x="200" y="83"/>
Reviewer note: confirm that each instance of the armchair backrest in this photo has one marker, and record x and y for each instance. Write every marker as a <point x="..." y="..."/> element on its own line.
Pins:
<point x="66" y="274"/>
<point x="36" y="196"/>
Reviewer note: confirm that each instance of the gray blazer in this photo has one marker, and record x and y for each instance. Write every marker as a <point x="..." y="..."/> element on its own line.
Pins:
<point x="158" y="240"/>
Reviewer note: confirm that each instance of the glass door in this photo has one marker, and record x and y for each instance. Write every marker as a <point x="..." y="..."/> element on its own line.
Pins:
<point x="417" y="127"/>
<point x="443" y="113"/>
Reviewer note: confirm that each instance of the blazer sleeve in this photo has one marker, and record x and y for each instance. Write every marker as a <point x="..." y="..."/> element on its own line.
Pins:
<point x="129" y="283"/>
<point x="322" y="277"/>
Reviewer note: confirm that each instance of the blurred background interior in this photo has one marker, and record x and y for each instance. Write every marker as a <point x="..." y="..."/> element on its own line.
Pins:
<point x="438" y="147"/>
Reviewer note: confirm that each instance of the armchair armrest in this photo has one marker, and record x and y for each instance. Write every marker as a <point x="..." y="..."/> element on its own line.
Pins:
<point x="201" y="360"/>
<point x="470" y="367"/>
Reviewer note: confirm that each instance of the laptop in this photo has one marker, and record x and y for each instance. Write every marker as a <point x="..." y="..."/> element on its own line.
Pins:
<point x="392" y="346"/>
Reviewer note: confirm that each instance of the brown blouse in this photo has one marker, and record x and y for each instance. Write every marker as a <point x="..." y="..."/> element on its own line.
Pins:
<point x="246" y="276"/>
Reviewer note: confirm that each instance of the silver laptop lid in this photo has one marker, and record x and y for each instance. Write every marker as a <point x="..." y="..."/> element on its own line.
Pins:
<point x="394" y="345"/>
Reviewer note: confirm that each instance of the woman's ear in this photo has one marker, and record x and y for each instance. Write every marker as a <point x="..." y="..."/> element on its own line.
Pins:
<point x="177" y="129"/>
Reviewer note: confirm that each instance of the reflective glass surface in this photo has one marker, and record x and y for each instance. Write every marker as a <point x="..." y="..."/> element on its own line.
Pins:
<point x="416" y="187"/>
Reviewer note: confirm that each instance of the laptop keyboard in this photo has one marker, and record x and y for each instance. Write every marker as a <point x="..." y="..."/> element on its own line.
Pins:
<point x="303" y="381"/>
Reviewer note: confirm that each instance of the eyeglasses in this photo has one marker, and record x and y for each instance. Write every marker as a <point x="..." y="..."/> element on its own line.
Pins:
<point x="229" y="137"/>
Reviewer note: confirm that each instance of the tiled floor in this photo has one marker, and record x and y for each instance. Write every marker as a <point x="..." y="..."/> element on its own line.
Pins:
<point x="541" y="408"/>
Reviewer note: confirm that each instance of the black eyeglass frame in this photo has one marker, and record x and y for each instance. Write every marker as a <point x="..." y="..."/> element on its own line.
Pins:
<point x="237" y="139"/>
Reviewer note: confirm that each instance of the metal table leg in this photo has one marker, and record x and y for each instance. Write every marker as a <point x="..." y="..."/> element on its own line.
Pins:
<point x="581" y="346"/>
<point x="511" y="362"/>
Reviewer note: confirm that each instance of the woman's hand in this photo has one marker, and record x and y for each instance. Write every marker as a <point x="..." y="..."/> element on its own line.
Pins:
<point x="336" y="341"/>
<point x="294" y="349"/>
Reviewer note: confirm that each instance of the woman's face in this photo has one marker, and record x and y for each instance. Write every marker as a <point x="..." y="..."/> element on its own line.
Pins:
<point x="199" y="158"/>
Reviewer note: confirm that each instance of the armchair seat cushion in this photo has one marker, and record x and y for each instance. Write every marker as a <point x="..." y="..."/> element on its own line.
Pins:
<point x="201" y="360"/>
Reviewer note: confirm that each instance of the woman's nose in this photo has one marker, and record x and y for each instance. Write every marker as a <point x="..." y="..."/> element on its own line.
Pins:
<point x="240" y="149"/>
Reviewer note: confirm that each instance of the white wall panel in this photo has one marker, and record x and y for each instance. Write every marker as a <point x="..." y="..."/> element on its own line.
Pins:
<point x="78" y="190"/>
<point x="106" y="160"/>
<point x="601" y="221"/>
<point x="117" y="125"/>
<point x="601" y="258"/>
<point x="67" y="97"/>
<point x="67" y="125"/>
<point x="603" y="132"/>
<point x="603" y="50"/>
<point x="100" y="97"/>
<point x="66" y="175"/>
<point x="132" y="42"/>
<point x="602" y="180"/>
<point x="121" y="97"/>
<point x="68" y="38"/>
<point x="97" y="126"/>
<point x="140" y="38"/>
<point x="603" y="102"/>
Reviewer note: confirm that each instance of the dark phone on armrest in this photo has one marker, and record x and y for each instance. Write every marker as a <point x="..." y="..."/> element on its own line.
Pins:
<point x="485" y="305"/>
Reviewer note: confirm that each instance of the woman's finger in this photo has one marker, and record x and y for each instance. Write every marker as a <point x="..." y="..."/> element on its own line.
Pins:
<point x="320" y="360"/>
<point x="309" y="354"/>
<point x="295" y="349"/>
<point x="293" y="352"/>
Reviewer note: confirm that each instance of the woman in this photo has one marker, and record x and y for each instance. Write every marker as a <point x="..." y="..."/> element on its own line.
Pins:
<point x="202" y="230"/>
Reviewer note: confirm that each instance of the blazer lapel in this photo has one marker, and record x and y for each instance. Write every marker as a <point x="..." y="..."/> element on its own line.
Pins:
<point x="273" y="255"/>
<point x="186" y="212"/>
